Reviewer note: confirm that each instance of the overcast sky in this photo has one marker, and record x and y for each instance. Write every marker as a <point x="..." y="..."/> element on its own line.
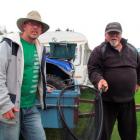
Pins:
<point x="88" y="17"/>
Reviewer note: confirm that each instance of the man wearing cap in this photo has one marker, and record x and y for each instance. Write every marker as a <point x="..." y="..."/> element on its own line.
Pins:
<point x="21" y="80"/>
<point x="114" y="69"/>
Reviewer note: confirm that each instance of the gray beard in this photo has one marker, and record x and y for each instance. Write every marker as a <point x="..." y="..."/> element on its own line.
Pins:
<point x="114" y="43"/>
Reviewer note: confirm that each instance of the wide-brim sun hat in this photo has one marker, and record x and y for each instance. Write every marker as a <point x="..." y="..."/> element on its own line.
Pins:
<point x="33" y="16"/>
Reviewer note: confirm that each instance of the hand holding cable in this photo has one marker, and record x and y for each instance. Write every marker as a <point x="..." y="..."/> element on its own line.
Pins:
<point x="103" y="85"/>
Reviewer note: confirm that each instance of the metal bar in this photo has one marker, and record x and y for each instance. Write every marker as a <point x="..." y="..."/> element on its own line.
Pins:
<point x="137" y="107"/>
<point x="87" y="114"/>
<point x="86" y="101"/>
<point x="49" y="106"/>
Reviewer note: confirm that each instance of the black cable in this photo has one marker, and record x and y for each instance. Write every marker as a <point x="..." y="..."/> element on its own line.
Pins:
<point x="62" y="115"/>
<point x="101" y="114"/>
<point x="100" y="110"/>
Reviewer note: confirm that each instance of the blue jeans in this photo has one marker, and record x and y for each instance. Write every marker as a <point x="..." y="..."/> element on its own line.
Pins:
<point x="9" y="131"/>
<point x="30" y="126"/>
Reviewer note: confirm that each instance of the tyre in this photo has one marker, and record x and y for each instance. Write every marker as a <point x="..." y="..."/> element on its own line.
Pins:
<point x="55" y="82"/>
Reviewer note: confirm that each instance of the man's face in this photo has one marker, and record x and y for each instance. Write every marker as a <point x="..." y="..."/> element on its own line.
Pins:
<point x="32" y="29"/>
<point x="113" y="38"/>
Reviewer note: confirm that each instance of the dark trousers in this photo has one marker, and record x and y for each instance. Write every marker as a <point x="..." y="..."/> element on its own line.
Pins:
<point x="125" y="114"/>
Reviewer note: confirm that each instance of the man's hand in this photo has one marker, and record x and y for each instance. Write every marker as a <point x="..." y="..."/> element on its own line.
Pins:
<point x="103" y="85"/>
<point x="11" y="113"/>
<point x="50" y="90"/>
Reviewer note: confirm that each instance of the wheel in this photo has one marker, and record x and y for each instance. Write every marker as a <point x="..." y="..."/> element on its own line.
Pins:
<point x="55" y="82"/>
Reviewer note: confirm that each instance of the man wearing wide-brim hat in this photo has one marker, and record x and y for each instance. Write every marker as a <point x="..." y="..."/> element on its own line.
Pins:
<point x="32" y="16"/>
<point x="21" y="80"/>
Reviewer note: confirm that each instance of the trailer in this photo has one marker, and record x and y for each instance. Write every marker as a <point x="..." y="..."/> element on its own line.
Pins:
<point x="59" y="75"/>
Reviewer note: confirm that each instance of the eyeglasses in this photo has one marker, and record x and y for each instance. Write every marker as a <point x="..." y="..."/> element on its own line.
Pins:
<point x="114" y="33"/>
<point x="34" y="23"/>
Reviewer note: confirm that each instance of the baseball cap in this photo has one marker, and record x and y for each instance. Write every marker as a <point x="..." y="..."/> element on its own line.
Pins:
<point x="113" y="26"/>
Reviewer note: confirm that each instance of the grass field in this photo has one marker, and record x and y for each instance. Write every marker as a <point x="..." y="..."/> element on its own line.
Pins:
<point x="137" y="97"/>
<point x="115" y="135"/>
<point x="53" y="134"/>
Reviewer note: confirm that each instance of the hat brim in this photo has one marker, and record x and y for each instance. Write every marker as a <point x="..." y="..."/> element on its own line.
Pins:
<point x="113" y="30"/>
<point x="23" y="20"/>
